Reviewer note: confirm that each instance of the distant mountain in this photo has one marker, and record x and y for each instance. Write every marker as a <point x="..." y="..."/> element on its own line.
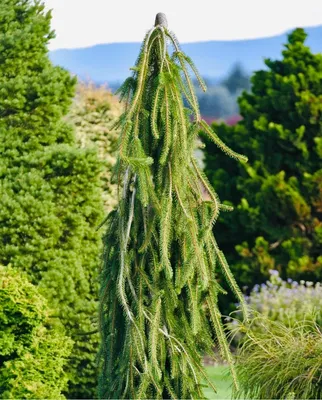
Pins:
<point x="111" y="62"/>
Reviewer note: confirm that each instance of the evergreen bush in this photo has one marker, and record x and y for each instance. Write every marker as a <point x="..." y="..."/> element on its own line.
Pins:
<point x="278" y="194"/>
<point x="50" y="197"/>
<point x="32" y="355"/>
<point x="93" y="113"/>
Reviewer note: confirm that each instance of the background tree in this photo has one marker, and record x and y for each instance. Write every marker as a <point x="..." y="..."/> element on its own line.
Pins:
<point x="220" y="100"/>
<point x="217" y="102"/>
<point x="278" y="195"/>
<point x="237" y="80"/>
<point x="32" y="355"/>
<point x="159" y="292"/>
<point x="93" y="112"/>
<point x="50" y="203"/>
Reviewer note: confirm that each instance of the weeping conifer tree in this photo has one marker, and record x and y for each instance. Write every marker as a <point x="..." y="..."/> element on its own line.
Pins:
<point x="159" y="294"/>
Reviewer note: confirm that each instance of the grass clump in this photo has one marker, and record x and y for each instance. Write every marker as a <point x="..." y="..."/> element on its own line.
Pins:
<point x="280" y="351"/>
<point x="279" y="361"/>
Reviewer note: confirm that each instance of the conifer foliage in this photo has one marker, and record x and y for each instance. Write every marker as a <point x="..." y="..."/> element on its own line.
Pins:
<point x="32" y="355"/>
<point x="279" y="193"/>
<point x="93" y="113"/>
<point x="50" y="200"/>
<point x="158" y="296"/>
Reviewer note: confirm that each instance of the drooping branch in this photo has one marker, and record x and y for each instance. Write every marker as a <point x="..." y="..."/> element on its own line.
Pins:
<point x="160" y="254"/>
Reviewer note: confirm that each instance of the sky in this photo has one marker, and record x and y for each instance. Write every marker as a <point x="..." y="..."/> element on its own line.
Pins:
<point x="84" y="23"/>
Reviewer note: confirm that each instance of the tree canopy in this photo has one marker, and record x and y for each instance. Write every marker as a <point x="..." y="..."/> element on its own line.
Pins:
<point x="278" y="194"/>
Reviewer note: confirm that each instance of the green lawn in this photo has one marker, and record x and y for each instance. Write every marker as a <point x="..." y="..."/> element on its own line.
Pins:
<point x="221" y="379"/>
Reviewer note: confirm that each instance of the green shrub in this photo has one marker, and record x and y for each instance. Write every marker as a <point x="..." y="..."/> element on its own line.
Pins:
<point x="93" y="113"/>
<point x="280" y="351"/>
<point x="32" y="355"/>
<point x="50" y="196"/>
<point x="276" y="361"/>
<point x="278" y="194"/>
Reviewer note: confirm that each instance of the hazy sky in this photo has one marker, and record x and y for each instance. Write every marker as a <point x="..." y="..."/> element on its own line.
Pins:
<point x="82" y="23"/>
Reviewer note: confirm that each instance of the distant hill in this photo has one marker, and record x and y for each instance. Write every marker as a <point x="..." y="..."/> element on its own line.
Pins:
<point x="111" y="62"/>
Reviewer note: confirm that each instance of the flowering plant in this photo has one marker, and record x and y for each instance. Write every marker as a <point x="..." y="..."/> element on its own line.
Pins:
<point x="287" y="301"/>
<point x="279" y="352"/>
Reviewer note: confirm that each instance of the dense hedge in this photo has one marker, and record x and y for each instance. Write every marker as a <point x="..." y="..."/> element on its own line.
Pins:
<point x="50" y="196"/>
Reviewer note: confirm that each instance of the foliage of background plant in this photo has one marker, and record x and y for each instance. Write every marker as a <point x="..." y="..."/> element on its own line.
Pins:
<point x="220" y="100"/>
<point x="93" y="113"/>
<point x="278" y="194"/>
<point x="50" y="197"/>
<point x="276" y="360"/>
<point x="280" y="351"/>
<point x="287" y="301"/>
<point x="32" y="355"/>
